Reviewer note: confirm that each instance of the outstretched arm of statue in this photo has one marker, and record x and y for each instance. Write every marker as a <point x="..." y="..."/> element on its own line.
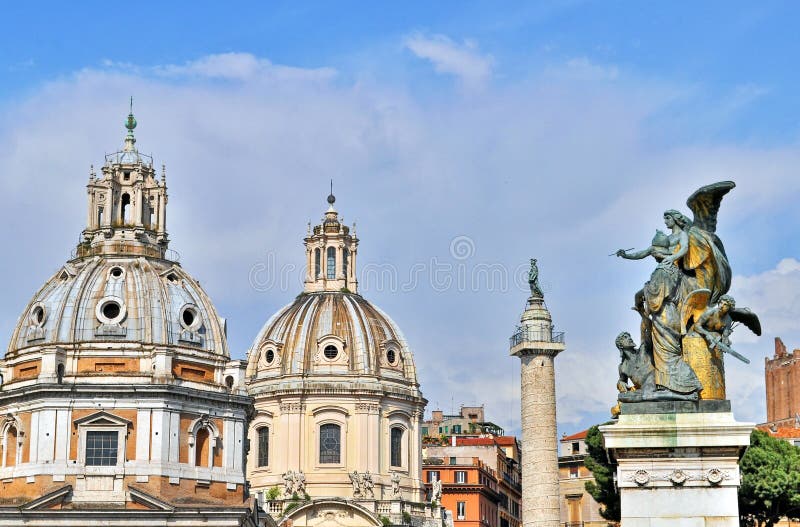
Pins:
<point x="636" y="255"/>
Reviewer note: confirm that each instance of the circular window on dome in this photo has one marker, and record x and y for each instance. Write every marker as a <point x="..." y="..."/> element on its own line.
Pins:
<point x="330" y="352"/>
<point x="110" y="310"/>
<point x="38" y="315"/>
<point x="116" y="272"/>
<point x="190" y="317"/>
<point x="391" y="356"/>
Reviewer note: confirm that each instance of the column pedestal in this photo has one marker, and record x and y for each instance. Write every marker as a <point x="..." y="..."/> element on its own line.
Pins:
<point x="677" y="463"/>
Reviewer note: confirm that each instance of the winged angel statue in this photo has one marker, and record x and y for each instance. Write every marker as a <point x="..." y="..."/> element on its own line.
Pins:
<point x="687" y="316"/>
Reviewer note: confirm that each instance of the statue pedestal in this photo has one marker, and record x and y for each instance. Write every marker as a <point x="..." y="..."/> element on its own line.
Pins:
<point x="677" y="463"/>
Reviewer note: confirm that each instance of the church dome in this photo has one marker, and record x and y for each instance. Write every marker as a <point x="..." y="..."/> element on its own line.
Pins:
<point x="121" y="298"/>
<point x="328" y="332"/>
<point x="123" y="284"/>
<point x="335" y="392"/>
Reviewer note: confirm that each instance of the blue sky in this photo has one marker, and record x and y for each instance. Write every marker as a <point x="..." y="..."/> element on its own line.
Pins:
<point x="559" y="130"/>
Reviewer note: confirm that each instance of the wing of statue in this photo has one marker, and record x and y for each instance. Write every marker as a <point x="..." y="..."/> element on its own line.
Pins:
<point x="693" y="307"/>
<point x="705" y="202"/>
<point x="748" y="318"/>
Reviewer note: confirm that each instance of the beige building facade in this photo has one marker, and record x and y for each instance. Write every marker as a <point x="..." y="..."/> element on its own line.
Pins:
<point x="578" y="507"/>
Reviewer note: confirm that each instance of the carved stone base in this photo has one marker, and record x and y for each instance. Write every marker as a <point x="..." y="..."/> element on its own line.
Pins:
<point x="678" y="469"/>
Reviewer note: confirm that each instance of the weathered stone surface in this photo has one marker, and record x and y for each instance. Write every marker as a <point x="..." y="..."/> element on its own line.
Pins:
<point x="678" y="469"/>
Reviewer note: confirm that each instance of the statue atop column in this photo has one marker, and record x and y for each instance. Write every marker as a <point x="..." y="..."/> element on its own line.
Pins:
<point x="533" y="280"/>
<point x="686" y="315"/>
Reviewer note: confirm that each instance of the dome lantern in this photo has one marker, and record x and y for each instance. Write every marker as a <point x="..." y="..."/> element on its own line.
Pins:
<point x="126" y="210"/>
<point x="331" y="254"/>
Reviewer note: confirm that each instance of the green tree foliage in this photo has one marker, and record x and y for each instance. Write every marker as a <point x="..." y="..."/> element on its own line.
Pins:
<point x="770" y="488"/>
<point x="602" y="488"/>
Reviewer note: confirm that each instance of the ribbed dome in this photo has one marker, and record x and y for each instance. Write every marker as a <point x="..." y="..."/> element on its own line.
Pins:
<point x="121" y="299"/>
<point x="331" y="333"/>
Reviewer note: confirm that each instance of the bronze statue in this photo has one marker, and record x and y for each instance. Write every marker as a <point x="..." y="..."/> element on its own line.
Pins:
<point x="533" y="280"/>
<point x="679" y="302"/>
<point x="716" y="325"/>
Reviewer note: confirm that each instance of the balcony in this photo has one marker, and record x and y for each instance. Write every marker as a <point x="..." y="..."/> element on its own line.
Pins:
<point x="573" y="524"/>
<point x="535" y="334"/>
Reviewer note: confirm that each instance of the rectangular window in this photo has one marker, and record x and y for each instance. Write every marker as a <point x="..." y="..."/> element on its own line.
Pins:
<point x="330" y="443"/>
<point x="461" y="476"/>
<point x="102" y="448"/>
<point x="453" y="461"/>
<point x="576" y="448"/>
<point x="263" y="447"/>
<point x="461" y="510"/>
<point x="397" y="447"/>
<point x="330" y="266"/>
<point x="424" y="431"/>
<point x="456" y="429"/>
<point x="433" y="475"/>
<point x="574" y="472"/>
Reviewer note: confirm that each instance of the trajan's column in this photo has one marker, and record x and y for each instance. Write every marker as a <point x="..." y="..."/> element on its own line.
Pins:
<point x="535" y="343"/>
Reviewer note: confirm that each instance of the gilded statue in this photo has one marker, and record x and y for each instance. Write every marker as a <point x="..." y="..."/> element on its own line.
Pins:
<point x="684" y="308"/>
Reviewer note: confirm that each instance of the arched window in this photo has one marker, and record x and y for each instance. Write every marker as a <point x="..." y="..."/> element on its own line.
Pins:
<point x="263" y="446"/>
<point x="317" y="264"/>
<point x="330" y="443"/>
<point x="397" y="447"/>
<point x="331" y="264"/>
<point x="125" y="214"/>
<point x="201" y="447"/>
<point x="345" y="258"/>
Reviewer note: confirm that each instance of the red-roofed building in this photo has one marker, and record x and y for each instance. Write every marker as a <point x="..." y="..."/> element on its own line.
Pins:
<point x="578" y="508"/>
<point x="452" y="445"/>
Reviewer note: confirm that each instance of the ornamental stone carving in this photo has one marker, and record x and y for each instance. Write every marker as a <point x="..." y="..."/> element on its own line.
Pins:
<point x="678" y="477"/>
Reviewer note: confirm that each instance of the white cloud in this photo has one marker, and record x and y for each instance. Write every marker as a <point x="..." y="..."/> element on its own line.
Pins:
<point x="584" y="69"/>
<point x="774" y="296"/>
<point x="553" y="167"/>
<point x="462" y="60"/>
<point x="228" y="66"/>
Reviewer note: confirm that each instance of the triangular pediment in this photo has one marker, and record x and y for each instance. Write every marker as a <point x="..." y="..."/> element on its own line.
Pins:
<point x="49" y="499"/>
<point x="148" y="500"/>
<point x="102" y="419"/>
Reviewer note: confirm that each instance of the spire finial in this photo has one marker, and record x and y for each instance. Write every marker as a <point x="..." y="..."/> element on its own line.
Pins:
<point x="331" y="197"/>
<point x="130" y="124"/>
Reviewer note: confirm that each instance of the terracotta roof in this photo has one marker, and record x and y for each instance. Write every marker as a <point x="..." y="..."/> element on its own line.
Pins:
<point x="578" y="435"/>
<point x="783" y="432"/>
<point x="486" y="441"/>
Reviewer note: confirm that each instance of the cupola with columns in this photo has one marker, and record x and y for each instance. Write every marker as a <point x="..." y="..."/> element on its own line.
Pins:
<point x="331" y="251"/>
<point x="127" y="204"/>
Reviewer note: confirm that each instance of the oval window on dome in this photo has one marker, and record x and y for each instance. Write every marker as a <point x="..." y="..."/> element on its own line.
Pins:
<point x="330" y="352"/>
<point x="110" y="310"/>
<point x="38" y="315"/>
<point x="116" y="272"/>
<point x="270" y="356"/>
<point x="190" y="317"/>
<point x="391" y="356"/>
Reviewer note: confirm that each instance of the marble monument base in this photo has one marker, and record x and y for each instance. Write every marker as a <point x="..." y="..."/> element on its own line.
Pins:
<point x="677" y="463"/>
